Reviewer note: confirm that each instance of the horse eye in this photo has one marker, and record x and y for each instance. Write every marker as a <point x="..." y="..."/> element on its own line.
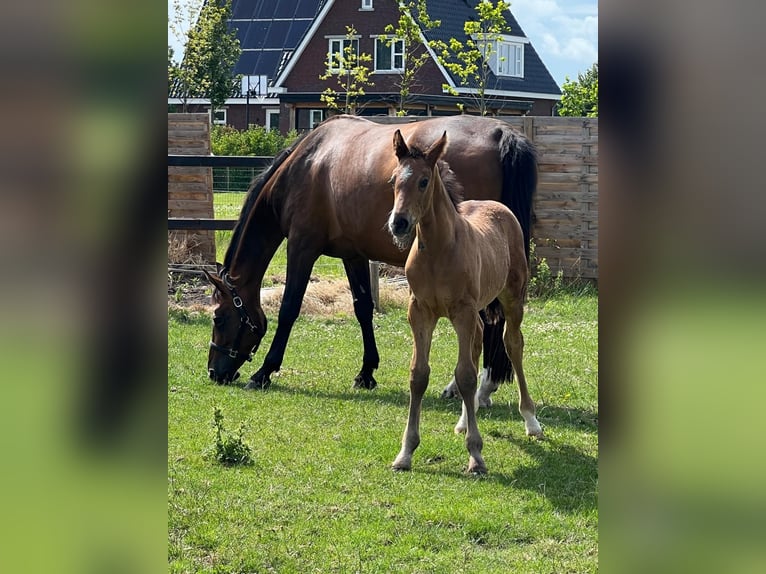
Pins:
<point x="423" y="183"/>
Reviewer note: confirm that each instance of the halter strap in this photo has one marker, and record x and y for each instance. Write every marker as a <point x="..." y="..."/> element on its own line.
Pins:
<point x="244" y="321"/>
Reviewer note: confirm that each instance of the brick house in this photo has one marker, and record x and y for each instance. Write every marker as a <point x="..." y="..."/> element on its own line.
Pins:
<point x="285" y="46"/>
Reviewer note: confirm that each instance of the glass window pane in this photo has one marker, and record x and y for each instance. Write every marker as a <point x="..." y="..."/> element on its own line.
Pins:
<point x="382" y="55"/>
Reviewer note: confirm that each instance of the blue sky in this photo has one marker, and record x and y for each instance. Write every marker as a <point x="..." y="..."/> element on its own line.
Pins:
<point x="564" y="33"/>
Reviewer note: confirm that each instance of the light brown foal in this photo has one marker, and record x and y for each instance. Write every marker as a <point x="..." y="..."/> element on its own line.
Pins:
<point x="464" y="255"/>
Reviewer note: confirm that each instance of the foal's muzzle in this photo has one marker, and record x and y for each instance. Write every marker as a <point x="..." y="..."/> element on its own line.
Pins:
<point x="399" y="225"/>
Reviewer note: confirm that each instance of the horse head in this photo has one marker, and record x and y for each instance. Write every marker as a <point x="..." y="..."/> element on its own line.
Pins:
<point x="237" y="328"/>
<point x="413" y="181"/>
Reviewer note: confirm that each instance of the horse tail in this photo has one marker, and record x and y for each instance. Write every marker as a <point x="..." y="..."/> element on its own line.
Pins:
<point x="519" y="159"/>
<point x="252" y="195"/>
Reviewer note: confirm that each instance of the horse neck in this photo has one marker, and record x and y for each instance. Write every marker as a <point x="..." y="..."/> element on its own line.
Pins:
<point x="437" y="224"/>
<point x="258" y="241"/>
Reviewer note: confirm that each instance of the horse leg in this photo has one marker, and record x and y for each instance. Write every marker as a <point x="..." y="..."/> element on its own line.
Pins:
<point x="358" y="272"/>
<point x="497" y="366"/>
<point x="462" y="424"/>
<point x="300" y="261"/>
<point x="467" y="325"/>
<point x="514" y="344"/>
<point x="422" y="323"/>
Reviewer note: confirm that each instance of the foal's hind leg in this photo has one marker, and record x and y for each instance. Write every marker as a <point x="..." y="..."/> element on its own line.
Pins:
<point x="514" y="344"/>
<point x="423" y="323"/>
<point x="358" y="273"/>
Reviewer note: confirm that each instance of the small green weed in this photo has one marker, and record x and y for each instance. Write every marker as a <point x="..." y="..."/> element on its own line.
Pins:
<point x="230" y="450"/>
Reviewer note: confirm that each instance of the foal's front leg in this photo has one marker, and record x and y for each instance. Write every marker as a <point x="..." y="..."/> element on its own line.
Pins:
<point x="422" y="323"/>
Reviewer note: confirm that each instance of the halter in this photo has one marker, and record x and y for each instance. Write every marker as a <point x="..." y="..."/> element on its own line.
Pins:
<point x="244" y="321"/>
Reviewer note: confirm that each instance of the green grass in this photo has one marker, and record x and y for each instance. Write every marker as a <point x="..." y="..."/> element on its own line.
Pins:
<point x="228" y="206"/>
<point x="320" y="495"/>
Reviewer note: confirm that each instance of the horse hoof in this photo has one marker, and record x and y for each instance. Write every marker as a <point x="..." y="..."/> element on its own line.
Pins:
<point x="450" y="391"/>
<point x="259" y="383"/>
<point x="365" y="382"/>
<point x="477" y="471"/>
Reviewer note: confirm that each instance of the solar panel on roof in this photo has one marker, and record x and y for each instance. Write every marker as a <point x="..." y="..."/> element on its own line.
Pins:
<point x="242" y="9"/>
<point x="284" y="9"/>
<point x="306" y="8"/>
<point x="275" y="38"/>
<point x="294" y="35"/>
<point x="266" y="9"/>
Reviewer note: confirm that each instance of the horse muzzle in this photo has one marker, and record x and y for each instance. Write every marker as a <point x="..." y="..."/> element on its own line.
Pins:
<point x="222" y="378"/>
<point x="399" y="225"/>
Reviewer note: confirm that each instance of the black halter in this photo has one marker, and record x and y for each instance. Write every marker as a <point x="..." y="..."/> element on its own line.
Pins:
<point x="244" y="321"/>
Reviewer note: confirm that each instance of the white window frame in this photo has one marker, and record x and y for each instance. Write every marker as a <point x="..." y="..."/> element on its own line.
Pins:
<point x="269" y="114"/>
<point x="214" y="120"/>
<point x="397" y="42"/>
<point x="511" y="63"/>
<point x="366" y="5"/>
<point x="313" y="122"/>
<point x="333" y="42"/>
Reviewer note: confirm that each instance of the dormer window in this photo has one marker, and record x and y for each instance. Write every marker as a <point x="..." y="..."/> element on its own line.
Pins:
<point x="506" y="57"/>
<point x="366" y="5"/>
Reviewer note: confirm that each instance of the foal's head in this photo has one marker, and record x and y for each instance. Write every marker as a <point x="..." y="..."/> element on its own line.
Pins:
<point x="413" y="179"/>
<point x="237" y="329"/>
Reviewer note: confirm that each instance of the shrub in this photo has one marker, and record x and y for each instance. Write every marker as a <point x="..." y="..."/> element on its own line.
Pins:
<point x="226" y="140"/>
<point x="230" y="450"/>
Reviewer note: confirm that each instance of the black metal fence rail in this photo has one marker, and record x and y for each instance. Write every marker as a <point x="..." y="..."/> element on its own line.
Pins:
<point x="176" y="160"/>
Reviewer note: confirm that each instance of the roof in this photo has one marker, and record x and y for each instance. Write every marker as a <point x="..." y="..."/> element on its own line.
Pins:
<point x="272" y="32"/>
<point x="454" y="13"/>
<point x="269" y="31"/>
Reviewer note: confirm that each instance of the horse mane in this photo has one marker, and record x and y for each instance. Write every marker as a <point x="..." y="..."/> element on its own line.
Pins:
<point x="451" y="184"/>
<point x="256" y="186"/>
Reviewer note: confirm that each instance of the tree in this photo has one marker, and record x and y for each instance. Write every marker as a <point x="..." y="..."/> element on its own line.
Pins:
<point x="413" y="18"/>
<point x="580" y="98"/>
<point x="211" y="52"/>
<point x="351" y="71"/>
<point x="469" y="60"/>
<point x="180" y="21"/>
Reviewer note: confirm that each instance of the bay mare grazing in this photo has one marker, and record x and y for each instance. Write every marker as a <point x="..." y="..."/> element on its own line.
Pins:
<point x="464" y="255"/>
<point x="330" y="193"/>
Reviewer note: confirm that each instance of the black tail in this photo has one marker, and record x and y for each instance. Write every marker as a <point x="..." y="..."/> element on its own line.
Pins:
<point x="519" y="159"/>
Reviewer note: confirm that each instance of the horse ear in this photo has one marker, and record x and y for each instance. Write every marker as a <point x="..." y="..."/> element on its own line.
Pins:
<point x="436" y="150"/>
<point x="400" y="147"/>
<point x="214" y="279"/>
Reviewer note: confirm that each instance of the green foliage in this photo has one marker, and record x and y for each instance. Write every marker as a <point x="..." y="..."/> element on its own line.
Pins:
<point x="469" y="60"/>
<point x="580" y="98"/>
<point x="543" y="284"/>
<point x="351" y="75"/>
<point x="413" y="17"/>
<point x="229" y="449"/>
<point x="256" y="140"/>
<point x="211" y="52"/>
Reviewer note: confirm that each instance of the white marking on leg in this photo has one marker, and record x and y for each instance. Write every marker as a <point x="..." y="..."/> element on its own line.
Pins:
<point x="532" y="425"/>
<point x="462" y="424"/>
<point x="486" y="387"/>
<point x="450" y="391"/>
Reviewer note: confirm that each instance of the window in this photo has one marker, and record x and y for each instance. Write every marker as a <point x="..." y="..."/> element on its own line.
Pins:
<point x="272" y="120"/>
<point x="389" y="58"/>
<point x="219" y="117"/>
<point x="315" y="118"/>
<point x="337" y="52"/>
<point x="366" y="5"/>
<point x="510" y="59"/>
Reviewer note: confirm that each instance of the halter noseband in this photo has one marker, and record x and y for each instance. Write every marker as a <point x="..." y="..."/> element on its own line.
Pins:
<point x="244" y="321"/>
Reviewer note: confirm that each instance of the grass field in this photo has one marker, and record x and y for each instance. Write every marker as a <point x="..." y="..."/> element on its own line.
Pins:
<point x="320" y="495"/>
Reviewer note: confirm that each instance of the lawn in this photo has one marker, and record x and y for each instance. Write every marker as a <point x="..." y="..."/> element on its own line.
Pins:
<point x="320" y="495"/>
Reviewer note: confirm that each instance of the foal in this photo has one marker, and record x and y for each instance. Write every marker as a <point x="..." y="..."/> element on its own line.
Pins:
<point x="464" y="255"/>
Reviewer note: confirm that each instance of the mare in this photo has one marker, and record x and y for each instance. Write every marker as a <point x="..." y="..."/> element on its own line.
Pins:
<point x="464" y="255"/>
<point x="329" y="193"/>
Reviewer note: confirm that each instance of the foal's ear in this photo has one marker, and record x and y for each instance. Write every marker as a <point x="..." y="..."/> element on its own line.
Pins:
<point x="400" y="148"/>
<point x="436" y="150"/>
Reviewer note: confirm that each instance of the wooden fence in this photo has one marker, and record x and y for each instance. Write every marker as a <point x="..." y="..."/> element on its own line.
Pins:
<point x="565" y="207"/>
<point x="190" y="189"/>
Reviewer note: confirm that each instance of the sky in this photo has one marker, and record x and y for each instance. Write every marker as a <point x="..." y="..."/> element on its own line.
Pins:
<point x="564" y="33"/>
